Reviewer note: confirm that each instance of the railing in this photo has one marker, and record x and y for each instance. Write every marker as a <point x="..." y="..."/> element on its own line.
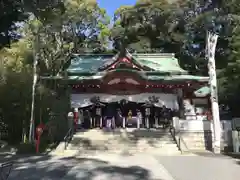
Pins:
<point x="180" y="126"/>
<point x="5" y="170"/>
<point x="205" y="125"/>
<point x="181" y="144"/>
<point x="68" y="137"/>
<point x="175" y="138"/>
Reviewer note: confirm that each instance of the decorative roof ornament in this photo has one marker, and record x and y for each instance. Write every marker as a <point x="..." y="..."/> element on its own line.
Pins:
<point x="123" y="102"/>
<point x="96" y="101"/>
<point x="147" y="104"/>
<point x="153" y="99"/>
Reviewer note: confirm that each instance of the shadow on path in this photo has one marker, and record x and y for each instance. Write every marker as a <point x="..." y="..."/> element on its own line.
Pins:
<point x="71" y="168"/>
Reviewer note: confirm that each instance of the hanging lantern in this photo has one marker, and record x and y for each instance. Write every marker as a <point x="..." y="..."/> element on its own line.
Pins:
<point x="98" y="111"/>
<point x="153" y="99"/>
<point x="123" y="102"/>
<point x="147" y="111"/>
<point x="95" y="100"/>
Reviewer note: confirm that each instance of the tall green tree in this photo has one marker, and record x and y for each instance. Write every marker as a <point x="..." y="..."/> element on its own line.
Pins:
<point x="11" y="12"/>
<point x="180" y="28"/>
<point x="50" y="34"/>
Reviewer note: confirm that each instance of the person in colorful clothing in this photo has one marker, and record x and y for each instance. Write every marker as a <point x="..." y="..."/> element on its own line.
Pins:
<point x="129" y="117"/>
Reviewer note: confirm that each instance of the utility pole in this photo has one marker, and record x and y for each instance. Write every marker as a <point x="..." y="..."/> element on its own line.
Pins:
<point x="210" y="55"/>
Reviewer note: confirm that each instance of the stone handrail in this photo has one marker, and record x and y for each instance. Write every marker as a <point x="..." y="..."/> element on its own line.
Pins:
<point x="5" y="170"/>
<point x="182" y="126"/>
<point x="68" y="137"/>
<point x="176" y="139"/>
<point x="177" y="135"/>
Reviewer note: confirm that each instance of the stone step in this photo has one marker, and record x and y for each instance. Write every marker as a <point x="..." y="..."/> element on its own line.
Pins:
<point x="125" y="151"/>
<point x="86" y="140"/>
<point x="125" y="129"/>
<point x="94" y="147"/>
<point x="116" y="137"/>
<point x="120" y="140"/>
<point x="156" y="151"/>
<point x="121" y="144"/>
<point x="123" y="141"/>
<point x="196" y="146"/>
<point x="194" y="141"/>
<point x="121" y="132"/>
<point x="103" y="148"/>
<point x="120" y="152"/>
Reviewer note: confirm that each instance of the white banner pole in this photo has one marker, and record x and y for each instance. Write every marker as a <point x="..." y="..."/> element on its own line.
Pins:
<point x="210" y="53"/>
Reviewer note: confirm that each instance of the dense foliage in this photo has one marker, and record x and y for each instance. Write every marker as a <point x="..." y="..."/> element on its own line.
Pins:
<point x="50" y="31"/>
<point x="180" y="27"/>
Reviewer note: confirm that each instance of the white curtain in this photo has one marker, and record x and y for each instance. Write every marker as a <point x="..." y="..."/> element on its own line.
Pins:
<point x="83" y="100"/>
<point x="80" y="100"/>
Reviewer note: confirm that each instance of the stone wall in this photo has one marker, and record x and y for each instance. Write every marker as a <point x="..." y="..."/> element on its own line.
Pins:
<point x="196" y="141"/>
<point x="194" y="135"/>
<point x="198" y="135"/>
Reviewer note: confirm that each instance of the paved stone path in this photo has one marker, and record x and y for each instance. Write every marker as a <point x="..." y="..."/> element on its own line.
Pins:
<point x="207" y="167"/>
<point x="116" y="167"/>
<point x="101" y="167"/>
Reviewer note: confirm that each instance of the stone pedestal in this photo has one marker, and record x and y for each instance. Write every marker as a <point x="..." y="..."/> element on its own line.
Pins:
<point x="194" y="135"/>
<point x="236" y="141"/>
<point x="197" y="140"/>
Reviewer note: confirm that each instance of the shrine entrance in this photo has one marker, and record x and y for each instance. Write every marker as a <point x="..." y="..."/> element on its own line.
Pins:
<point x="127" y="90"/>
<point x="124" y="114"/>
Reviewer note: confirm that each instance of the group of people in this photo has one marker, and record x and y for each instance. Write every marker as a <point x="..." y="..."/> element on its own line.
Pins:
<point x="119" y="118"/>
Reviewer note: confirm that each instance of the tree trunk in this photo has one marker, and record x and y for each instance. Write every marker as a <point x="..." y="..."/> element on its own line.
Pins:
<point x="35" y="62"/>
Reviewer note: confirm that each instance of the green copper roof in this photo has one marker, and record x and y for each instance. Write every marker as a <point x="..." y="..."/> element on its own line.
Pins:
<point x="156" y="62"/>
<point x="88" y="63"/>
<point x="78" y="78"/>
<point x="149" y="77"/>
<point x="179" y="78"/>
<point x="160" y="62"/>
<point x="200" y="92"/>
<point x="155" y="67"/>
<point x="203" y="91"/>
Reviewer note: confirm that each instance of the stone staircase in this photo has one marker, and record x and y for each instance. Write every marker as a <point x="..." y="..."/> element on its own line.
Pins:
<point x="197" y="141"/>
<point x="122" y="141"/>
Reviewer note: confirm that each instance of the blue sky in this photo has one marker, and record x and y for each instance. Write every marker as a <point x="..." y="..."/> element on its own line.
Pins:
<point x="112" y="5"/>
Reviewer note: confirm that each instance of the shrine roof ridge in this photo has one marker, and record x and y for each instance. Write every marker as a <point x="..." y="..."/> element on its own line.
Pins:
<point x="94" y="54"/>
<point x="133" y="54"/>
<point x="167" y="55"/>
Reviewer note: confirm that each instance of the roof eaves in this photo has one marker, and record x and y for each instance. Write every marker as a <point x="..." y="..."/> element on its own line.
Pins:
<point x="160" y="55"/>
